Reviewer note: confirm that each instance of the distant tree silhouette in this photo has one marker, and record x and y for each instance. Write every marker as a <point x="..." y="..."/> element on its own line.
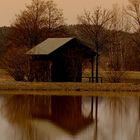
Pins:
<point x="39" y="20"/>
<point x="133" y="10"/>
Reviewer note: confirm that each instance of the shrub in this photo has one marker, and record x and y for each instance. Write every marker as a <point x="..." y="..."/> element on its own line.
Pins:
<point x="15" y="61"/>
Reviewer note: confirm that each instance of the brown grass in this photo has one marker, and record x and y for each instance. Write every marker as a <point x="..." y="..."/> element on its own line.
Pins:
<point x="126" y="76"/>
<point x="68" y="87"/>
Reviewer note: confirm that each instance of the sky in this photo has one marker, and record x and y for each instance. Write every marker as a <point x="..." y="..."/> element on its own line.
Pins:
<point x="71" y="8"/>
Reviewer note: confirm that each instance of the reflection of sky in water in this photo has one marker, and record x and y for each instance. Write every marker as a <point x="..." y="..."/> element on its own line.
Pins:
<point x="86" y="106"/>
<point x="124" y="125"/>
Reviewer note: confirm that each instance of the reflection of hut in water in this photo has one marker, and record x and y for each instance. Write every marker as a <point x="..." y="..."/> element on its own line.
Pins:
<point x="60" y="60"/>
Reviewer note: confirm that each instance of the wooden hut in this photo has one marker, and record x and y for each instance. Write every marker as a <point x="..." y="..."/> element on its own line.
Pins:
<point x="60" y="60"/>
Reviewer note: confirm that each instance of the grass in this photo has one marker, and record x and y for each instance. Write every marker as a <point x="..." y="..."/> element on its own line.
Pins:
<point x="9" y="86"/>
<point x="132" y="76"/>
<point x="4" y="76"/>
<point x="70" y="89"/>
<point x="127" y="77"/>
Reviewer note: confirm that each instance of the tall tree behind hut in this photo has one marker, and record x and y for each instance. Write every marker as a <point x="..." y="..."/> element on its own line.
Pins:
<point x="40" y="20"/>
<point x="94" y="25"/>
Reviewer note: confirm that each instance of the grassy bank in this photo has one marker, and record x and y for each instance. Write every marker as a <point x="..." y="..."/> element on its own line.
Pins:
<point x="9" y="86"/>
<point x="70" y="89"/>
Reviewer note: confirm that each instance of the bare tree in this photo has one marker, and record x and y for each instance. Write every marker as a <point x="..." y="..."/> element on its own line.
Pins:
<point x="15" y="61"/>
<point x="39" y="20"/>
<point x="133" y="10"/>
<point x="4" y="31"/>
<point x="93" y="28"/>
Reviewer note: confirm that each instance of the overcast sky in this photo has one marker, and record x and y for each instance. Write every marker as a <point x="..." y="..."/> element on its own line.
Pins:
<point x="71" y="8"/>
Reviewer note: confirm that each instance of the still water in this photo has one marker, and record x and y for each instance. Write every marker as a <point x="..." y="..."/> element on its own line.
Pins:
<point x="118" y="119"/>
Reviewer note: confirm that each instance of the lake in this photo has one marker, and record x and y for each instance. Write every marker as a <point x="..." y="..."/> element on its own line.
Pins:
<point x="118" y="119"/>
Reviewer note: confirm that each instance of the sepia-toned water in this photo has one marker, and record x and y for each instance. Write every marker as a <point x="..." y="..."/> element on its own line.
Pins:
<point x="118" y="119"/>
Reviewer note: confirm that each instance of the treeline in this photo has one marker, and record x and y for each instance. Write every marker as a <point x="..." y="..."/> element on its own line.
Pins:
<point x="128" y="55"/>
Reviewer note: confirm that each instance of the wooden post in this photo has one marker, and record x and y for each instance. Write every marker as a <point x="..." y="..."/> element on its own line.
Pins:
<point x="97" y="61"/>
<point x="92" y="76"/>
<point x="92" y="68"/>
<point x="101" y="79"/>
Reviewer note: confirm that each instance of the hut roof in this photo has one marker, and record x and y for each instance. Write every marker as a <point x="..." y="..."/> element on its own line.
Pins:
<point x="50" y="45"/>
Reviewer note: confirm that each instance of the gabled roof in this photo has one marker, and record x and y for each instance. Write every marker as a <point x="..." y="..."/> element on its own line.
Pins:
<point x="48" y="46"/>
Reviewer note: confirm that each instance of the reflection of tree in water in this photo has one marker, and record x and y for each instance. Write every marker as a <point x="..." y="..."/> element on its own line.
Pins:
<point x="123" y="121"/>
<point x="17" y="110"/>
<point x="68" y="113"/>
